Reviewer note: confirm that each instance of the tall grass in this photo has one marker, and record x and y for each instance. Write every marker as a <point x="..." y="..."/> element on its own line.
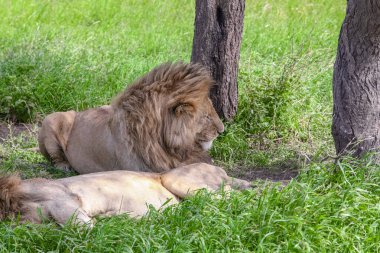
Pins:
<point x="331" y="207"/>
<point x="64" y="55"/>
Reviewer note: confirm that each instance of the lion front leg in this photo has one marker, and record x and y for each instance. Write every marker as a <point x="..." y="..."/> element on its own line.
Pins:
<point x="183" y="181"/>
<point x="52" y="150"/>
<point x="239" y="184"/>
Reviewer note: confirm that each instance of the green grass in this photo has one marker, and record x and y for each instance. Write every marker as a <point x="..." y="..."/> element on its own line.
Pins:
<point x="61" y="55"/>
<point x="18" y="155"/>
<point x="328" y="208"/>
<point x="285" y="82"/>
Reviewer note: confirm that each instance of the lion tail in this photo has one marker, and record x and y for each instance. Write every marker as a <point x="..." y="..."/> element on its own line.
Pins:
<point x="10" y="196"/>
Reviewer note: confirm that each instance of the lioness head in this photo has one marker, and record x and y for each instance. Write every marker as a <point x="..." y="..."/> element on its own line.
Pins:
<point x="169" y="112"/>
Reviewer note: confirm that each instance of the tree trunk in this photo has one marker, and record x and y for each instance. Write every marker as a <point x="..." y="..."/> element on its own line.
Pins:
<point x="216" y="45"/>
<point x="356" y="80"/>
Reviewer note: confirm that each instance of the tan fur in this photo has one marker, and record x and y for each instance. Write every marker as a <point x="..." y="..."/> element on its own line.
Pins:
<point x="107" y="193"/>
<point x="163" y="120"/>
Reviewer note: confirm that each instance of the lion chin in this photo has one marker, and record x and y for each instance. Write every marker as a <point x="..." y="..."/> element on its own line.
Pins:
<point x="206" y="145"/>
<point x="161" y="121"/>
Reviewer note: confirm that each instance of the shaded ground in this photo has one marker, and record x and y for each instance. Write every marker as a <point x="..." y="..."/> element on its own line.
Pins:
<point x="14" y="129"/>
<point x="251" y="174"/>
<point x="278" y="175"/>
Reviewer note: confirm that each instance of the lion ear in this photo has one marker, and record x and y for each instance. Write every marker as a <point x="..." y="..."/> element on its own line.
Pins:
<point x="184" y="108"/>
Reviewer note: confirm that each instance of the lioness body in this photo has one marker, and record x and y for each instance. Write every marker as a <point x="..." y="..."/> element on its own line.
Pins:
<point x="106" y="193"/>
<point x="162" y="121"/>
<point x="102" y="193"/>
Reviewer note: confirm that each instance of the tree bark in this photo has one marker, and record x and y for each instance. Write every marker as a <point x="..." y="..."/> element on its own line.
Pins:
<point x="216" y="45"/>
<point x="356" y="81"/>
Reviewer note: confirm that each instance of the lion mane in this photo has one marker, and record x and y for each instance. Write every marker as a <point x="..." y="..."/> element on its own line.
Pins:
<point x="161" y="121"/>
<point x="10" y="196"/>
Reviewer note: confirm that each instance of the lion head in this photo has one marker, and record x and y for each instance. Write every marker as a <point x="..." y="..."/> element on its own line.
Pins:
<point x="167" y="115"/>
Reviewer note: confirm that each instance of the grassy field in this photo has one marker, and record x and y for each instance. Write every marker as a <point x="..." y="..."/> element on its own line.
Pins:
<point x="327" y="208"/>
<point x="60" y="55"/>
<point x="65" y="55"/>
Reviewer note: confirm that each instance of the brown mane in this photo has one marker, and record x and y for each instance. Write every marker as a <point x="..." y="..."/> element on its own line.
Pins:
<point x="155" y="96"/>
<point x="10" y="196"/>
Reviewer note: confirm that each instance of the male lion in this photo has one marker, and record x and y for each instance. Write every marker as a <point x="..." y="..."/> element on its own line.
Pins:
<point x="106" y="193"/>
<point x="163" y="120"/>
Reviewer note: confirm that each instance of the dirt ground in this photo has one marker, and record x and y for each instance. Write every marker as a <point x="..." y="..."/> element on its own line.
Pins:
<point x="277" y="175"/>
<point x="14" y="129"/>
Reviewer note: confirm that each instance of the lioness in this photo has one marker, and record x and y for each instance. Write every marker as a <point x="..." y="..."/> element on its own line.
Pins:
<point x="106" y="193"/>
<point x="163" y="120"/>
